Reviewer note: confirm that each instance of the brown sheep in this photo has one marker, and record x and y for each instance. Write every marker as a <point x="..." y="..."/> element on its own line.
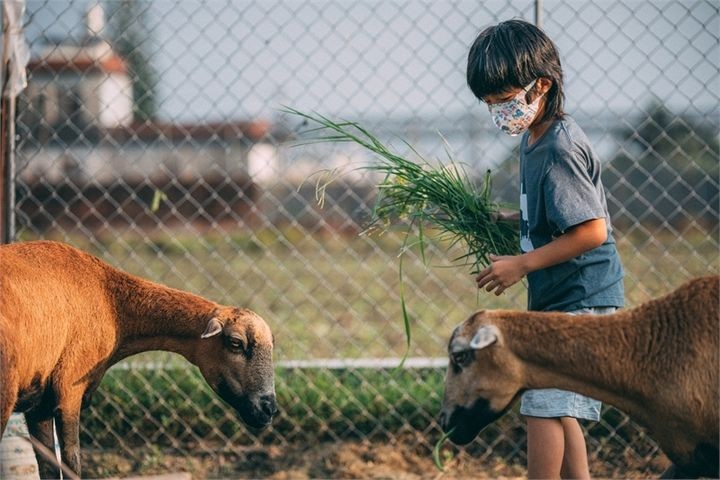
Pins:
<point x="66" y="317"/>
<point x="657" y="362"/>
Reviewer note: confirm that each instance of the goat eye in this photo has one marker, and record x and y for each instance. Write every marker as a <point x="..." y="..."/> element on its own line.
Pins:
<point x="462" y="358"/>
<point x="235" y="344"/>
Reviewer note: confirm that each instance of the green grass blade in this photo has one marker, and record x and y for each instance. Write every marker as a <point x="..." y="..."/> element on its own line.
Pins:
<point x="436" y="451"/>
<point x="421" y="242"/>
<point x="406" y="317"/>
<point x="158" y="197"/>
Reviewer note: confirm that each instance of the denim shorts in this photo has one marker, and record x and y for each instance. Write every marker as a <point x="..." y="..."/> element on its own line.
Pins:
<point x="554" y="403"/>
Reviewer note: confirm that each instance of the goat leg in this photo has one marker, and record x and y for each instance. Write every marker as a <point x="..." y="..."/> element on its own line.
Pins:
<point x="68" y="423"/>
<point x="41" y="427"/>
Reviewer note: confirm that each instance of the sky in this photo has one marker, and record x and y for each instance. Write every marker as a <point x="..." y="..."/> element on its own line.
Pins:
<point x="399" y="66"/>
<point x="221" y="60"/>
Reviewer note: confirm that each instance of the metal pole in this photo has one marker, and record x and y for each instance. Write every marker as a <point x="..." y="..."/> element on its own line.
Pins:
<point x="539" y="13"/>
<point x="15" y="57"/>
<point x="7" y="163"/>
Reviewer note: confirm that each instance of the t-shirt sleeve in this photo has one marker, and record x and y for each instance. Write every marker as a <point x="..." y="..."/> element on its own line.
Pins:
<point x="571" y="198"/>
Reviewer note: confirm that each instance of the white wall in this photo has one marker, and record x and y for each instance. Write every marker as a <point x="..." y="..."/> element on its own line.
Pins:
<point x="115" y="93"/>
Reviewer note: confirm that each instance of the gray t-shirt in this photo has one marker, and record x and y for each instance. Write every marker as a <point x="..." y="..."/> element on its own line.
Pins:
<point x="560" y="187"/>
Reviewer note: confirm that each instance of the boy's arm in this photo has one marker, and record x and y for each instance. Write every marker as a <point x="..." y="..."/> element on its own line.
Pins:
<point x="505" y="271"/>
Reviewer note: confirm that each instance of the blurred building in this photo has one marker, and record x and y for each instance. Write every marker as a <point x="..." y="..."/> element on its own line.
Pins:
<point x="79" y="141"/>
<point x="79" y="85"/>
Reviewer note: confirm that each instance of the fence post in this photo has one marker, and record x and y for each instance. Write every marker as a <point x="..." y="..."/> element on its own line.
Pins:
<point x="15" y="56"/>
<point x="7" y="164"/>
<point x="539" y="13"/>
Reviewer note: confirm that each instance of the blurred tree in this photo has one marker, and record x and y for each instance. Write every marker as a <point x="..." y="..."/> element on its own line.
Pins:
<point x="130" y="36"/>
<point x="505" y="179"/>
<point x="665" y="173"/>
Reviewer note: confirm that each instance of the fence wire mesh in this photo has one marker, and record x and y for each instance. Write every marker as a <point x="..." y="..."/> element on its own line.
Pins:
<point x="152" y="134"/>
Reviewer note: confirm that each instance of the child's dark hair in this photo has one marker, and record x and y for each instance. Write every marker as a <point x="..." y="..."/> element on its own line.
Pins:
<point x="512" y="54"/>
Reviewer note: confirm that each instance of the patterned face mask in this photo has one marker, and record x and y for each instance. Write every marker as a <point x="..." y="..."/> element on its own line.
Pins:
<point x="515" y="116"/>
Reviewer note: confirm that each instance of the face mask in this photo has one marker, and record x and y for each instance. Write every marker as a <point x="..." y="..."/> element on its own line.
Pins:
<point x="515" y="116"/>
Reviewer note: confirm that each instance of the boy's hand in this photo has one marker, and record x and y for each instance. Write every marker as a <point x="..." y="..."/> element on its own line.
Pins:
<point x="506" y="216"/>
<point x="502" y="273"/>
<point x="508" y="270"/>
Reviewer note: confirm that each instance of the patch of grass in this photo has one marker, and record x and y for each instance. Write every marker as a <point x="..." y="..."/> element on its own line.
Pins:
<point x="172" y="406"/>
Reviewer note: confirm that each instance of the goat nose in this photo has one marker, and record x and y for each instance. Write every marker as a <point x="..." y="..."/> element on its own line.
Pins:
<point x="268" y="405"/>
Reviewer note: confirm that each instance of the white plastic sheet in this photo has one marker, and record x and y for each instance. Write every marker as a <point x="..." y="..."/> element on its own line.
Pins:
<point x="15" y="53"/>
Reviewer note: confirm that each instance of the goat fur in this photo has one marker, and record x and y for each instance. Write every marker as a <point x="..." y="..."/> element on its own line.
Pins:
<point x="66" y="317"/>
<point x="658" y="362"/>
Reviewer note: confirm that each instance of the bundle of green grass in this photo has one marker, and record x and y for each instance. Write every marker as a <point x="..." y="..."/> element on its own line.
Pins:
<point x="443" y="198"/>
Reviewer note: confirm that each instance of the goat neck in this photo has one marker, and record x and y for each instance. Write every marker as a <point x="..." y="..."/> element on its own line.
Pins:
<point x="156" y="317"/>
<point x="566" y="351"/>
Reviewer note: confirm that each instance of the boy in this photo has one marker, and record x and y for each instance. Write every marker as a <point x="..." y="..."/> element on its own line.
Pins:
<point x="568" y="253"/>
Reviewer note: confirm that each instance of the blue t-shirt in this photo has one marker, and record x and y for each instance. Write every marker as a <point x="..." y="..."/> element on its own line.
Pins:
<point x="560" y="187"/>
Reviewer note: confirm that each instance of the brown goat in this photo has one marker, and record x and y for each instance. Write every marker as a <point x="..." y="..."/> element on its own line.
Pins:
<point x="657" y="362"/>
<point x="66" y="317"/>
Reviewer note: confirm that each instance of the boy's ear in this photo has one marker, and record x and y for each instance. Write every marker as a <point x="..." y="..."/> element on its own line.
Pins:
<point x="543" y="85"/>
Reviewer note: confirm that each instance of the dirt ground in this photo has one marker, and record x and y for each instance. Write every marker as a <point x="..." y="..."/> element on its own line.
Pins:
<point x="337" y="460"/>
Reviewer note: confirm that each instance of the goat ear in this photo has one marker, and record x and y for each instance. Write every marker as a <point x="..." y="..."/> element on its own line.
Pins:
<point x="485" y="336"/>
<point x="213" y="328"/>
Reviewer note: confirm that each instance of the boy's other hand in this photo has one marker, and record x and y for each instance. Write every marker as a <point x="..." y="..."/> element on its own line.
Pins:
<point x="506" y="216"/>
<point x="502" y="273"/>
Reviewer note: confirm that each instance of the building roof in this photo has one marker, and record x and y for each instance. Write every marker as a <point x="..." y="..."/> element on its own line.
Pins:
<point x="112" y="64"/>
<point x="91" y="55"/>
<point x="253" y="131"/>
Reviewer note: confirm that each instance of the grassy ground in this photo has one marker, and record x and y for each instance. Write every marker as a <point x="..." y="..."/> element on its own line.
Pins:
<point x="402" y="458"/>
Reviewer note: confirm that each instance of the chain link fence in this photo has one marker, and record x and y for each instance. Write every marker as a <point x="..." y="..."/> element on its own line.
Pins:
<point x="152" y="135"/>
